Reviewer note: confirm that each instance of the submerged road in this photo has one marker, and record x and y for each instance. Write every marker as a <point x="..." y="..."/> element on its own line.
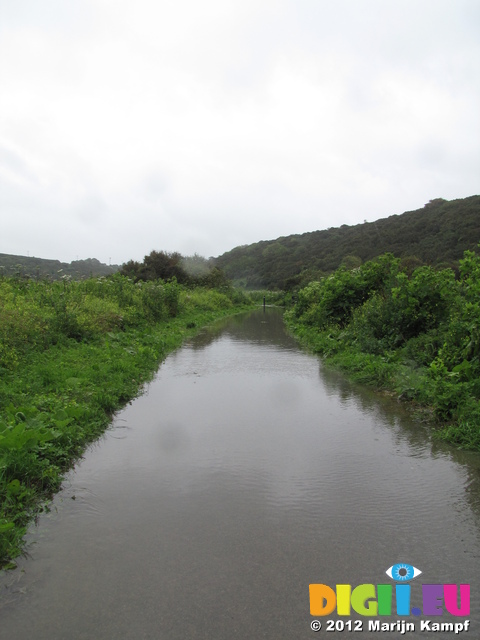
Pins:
<point x="243" y="474"/>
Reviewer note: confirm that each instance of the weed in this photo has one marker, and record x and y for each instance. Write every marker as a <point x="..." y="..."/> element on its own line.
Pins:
<point x="71" y="354"/>
<point x="416" y="333"/>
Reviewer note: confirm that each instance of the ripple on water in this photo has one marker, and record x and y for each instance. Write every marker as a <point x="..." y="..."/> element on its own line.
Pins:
<point x="243" y="474"/>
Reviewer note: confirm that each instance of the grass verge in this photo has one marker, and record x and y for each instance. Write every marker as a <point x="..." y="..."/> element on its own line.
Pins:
<point x="57" y="399"/>
<point x="442" y="399"/>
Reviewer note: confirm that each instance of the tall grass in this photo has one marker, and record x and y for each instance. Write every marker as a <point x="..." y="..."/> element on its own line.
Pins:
<point x="72" y="353"/>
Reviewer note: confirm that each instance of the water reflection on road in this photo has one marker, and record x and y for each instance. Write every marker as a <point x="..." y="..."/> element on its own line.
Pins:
<point x="244" y="473"/>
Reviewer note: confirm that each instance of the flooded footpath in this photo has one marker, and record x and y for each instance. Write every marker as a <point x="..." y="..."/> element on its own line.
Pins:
<point x="246" y="472"/>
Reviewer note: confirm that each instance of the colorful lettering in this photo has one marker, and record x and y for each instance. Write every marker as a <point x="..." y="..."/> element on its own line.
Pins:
<point x="450" y="595"/>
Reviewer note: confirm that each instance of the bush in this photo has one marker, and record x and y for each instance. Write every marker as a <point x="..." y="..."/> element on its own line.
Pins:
<point x="333" y="299"/>
<point x="417" y="332"/>
<point x="98" y="316"/>
<point x="206" y="299"/>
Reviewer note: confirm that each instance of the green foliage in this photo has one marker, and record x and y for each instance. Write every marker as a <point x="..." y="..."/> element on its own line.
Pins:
<point x="38" y="268"/>
<point x="414" y="331"/>
<point x="23" y="435"/>
<point x="462" y="340"/>
<point x="163" y="265"/>
<point x="191" y="270"/>
<point x="39" y="314"/>
<point x="205" y="299"/>
<point x="438" y="234"/>
<point x="333" y="299"/>
<point x="409" y="308"/>
<point x="271" y="297"/>
<point x="72" y="353"/>
<point x="465" y="434"/>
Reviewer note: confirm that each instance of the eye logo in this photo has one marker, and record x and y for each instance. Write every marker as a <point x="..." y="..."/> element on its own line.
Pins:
<point x="377" y="600"/>
<point x="402" y="572"/>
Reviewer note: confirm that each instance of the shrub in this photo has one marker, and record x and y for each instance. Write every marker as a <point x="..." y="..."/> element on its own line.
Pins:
<point x="97" y="316"/>
<point x="206" y="299"/>
<point x="333" y="299"/>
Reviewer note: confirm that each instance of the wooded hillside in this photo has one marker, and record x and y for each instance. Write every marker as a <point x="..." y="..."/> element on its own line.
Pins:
<point x="26" y="266"/>
<point x="437" y="234"/>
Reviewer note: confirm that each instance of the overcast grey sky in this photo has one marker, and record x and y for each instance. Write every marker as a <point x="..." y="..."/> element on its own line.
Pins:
<point x="180" y="125"/>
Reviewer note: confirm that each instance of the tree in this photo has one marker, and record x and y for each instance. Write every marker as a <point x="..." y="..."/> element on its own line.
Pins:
<point x="157" y="265"/>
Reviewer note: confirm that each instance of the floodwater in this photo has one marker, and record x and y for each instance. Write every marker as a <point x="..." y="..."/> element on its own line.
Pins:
<point x="244" y="473"/>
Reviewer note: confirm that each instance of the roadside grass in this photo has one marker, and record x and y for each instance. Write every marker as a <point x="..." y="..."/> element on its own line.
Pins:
<point x="415" y="335"/>
<point x="73" y="354"/>
<point x="449" y="404"/>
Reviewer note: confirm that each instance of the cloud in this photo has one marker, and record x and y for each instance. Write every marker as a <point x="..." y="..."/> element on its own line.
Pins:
<point x="127" y="126"/>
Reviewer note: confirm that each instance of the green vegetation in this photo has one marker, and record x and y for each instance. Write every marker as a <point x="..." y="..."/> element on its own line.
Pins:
<point x="191" y="270"/>
<point x="25" y="266"/>
<point x="415" y="333"/>
<point x="276" y="298"/>
<point x="71" y="353"/>
<point x="437" y="234"/>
